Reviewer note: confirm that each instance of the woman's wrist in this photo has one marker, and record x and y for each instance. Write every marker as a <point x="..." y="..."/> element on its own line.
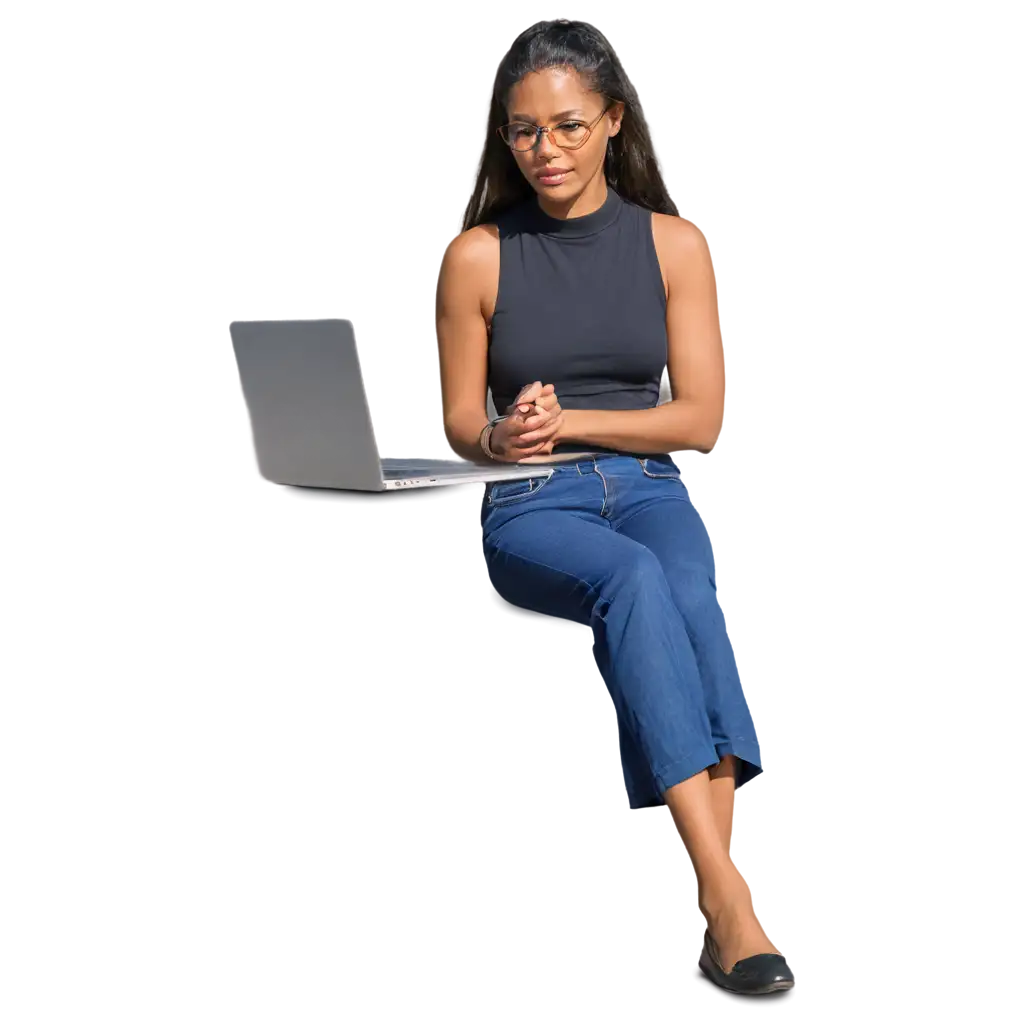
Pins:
<point x="569" y="428"/>
<point x="485" y="438"/>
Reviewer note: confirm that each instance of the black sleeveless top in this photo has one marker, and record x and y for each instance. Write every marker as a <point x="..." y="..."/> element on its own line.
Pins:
<point x="580" y="305"/>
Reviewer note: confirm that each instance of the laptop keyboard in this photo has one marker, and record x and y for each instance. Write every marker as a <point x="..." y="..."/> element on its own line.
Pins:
<point x="400" y="468"/>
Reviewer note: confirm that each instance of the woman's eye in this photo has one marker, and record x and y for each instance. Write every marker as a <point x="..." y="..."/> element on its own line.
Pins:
<point x="571" y="125"/>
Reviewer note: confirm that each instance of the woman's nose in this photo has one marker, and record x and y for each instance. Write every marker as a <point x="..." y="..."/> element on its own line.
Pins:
<point x="546" y="141"/>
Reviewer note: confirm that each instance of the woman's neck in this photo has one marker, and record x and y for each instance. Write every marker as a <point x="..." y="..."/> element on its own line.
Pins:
<point x="590" y="200"/>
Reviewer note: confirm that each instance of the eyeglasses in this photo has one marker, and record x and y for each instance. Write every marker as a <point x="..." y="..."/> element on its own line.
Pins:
<point x="523" y="137"/>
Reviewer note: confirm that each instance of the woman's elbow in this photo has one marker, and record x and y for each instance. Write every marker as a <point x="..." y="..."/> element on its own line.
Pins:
<point x="705" y="428"/>
<point x="455" y="426"/>
<point x="450" y="437"/>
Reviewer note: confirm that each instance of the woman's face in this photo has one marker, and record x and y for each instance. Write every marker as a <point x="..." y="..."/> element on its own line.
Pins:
<point x="549" y="98"/>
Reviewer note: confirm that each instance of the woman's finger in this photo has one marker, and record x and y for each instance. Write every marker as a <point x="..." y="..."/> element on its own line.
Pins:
<point x="542" y="415"/>
<point x="529" y="393"/>
<point x="537" y="416"/>
<point x="533" y="391"/>
<point x="542" y="433"/>
<point x="544" y="448"/>
<point x="547" y="401"/>
<point x="519" y="424"/>
<point x="519" y="441"/>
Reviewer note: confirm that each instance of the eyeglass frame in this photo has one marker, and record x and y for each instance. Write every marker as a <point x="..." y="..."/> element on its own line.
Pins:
<point x="544" y="128"/>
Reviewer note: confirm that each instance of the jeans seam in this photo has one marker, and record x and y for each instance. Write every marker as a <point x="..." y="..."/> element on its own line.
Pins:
<point x="658" y="476"/>
<point x="512" y="499"/>
<point x="660" y="774"/>
<point x="604" y="504"/>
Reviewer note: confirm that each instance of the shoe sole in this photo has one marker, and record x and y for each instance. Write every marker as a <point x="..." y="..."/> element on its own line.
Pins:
<point x="775" y="988"/>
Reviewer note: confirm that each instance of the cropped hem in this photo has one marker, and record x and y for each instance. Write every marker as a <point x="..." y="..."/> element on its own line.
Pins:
<point x="748" y="766"/>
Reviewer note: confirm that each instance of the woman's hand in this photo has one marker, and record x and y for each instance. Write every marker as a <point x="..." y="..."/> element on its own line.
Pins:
<point x="533" y="426"/>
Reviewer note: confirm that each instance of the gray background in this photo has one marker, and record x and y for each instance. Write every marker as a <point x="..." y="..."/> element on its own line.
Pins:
<point x="244" y="770"/>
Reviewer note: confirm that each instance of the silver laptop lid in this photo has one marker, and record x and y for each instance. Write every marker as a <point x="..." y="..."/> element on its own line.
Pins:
<point x="307" y="405"/>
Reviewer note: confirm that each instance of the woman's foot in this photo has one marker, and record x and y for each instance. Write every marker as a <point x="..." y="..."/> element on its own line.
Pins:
<point x="734" y="949"/>
<point x="736" y="932"/>
<point x="755" y="975"/>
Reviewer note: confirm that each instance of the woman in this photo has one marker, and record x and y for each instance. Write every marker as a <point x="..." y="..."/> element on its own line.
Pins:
<point x="572" y="285"/>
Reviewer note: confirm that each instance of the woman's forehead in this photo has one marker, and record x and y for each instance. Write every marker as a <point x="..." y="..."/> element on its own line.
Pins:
<point x="548" y="94"/>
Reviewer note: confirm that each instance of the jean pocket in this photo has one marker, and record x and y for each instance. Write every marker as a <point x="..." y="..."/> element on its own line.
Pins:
<point x="505" y="492"/>
<point x="659" y="466"/>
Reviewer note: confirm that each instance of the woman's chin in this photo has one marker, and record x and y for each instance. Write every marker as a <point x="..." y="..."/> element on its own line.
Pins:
<point x="562" y="196"/>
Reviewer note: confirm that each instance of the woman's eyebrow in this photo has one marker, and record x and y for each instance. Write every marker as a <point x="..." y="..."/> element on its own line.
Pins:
<point x="557" y="117"/>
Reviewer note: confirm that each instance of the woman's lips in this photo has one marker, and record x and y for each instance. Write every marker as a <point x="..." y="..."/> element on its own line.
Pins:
<point x="553" y="179"/>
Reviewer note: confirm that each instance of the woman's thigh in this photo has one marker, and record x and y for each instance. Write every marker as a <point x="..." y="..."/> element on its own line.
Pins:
<point x="674" y="531"/>
<point x="549" y="549"/>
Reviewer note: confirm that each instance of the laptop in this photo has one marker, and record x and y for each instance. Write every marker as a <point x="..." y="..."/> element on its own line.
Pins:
<point x="310" y="419"/>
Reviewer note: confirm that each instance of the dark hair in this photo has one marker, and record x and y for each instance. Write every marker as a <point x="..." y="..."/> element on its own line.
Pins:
<point x="630" y="165"/>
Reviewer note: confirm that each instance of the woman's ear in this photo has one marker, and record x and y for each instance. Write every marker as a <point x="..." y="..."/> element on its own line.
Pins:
<point x="617" y="112"/>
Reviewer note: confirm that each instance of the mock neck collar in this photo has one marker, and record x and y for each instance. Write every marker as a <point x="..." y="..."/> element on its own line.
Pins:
<point x="575" y="227"/>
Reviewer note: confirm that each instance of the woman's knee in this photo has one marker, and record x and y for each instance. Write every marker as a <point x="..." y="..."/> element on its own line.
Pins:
<point x="638" y="567"/>
<point x="693" y="587"/>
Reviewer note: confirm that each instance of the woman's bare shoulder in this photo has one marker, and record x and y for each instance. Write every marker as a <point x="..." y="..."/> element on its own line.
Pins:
<point x="470" y="267"/>
<point x="474" y="248"/>
<point x="681" y="248"/>
<point x="677" y="233"/>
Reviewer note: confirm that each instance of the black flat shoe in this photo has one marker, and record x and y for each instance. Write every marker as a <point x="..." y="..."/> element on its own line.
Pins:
<point x="753" y="975"/>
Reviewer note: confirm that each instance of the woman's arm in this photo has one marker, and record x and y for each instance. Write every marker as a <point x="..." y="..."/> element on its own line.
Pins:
<point x="696" y="364"/>
<point x="468" y="273"/>
<point x="466" y="288"/>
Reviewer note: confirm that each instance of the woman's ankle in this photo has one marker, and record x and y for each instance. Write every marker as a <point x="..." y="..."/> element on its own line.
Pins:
<point x="727" y="894"/>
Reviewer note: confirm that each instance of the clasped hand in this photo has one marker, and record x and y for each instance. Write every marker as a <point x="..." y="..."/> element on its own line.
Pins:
<point x="533" y="427"/>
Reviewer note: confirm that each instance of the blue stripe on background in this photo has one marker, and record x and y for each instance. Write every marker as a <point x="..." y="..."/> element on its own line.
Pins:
<point x="880" y="611"/>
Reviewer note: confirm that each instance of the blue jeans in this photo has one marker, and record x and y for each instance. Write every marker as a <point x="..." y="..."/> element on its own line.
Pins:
<point x="614" y="542"/>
